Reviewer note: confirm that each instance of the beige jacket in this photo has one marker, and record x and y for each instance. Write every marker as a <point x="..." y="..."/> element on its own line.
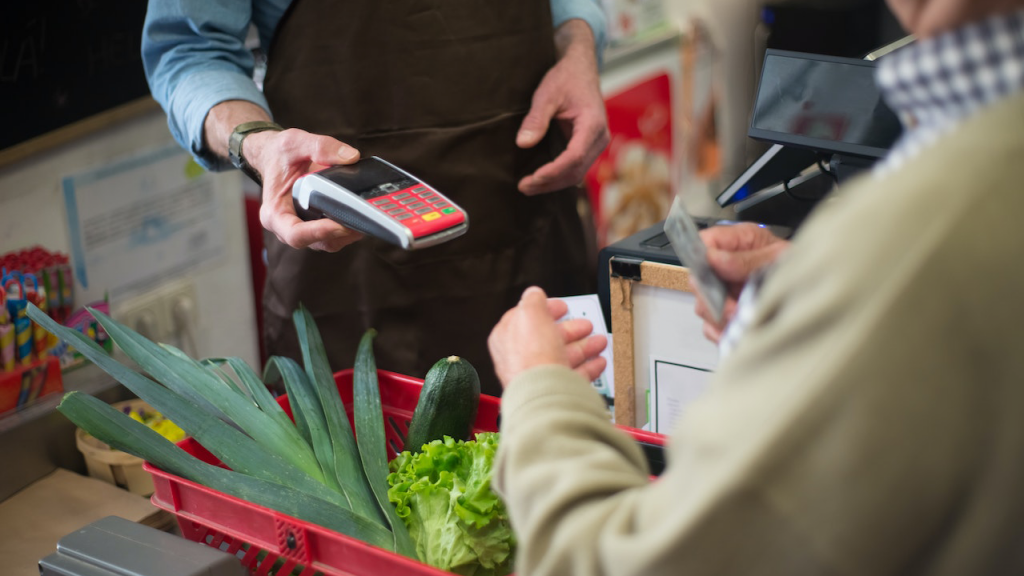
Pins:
<point x="871" y="422"/>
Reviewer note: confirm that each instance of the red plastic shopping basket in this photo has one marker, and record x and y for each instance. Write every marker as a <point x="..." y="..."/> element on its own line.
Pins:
<point x="269" y="542"/>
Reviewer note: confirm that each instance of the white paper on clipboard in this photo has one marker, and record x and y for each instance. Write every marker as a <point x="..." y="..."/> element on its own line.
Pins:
<point x="674" y="386"/>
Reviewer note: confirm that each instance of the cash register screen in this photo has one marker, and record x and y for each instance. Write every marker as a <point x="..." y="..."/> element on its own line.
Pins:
<point x="825" y="103"/>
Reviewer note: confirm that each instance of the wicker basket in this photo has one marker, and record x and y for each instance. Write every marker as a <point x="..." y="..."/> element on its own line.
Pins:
<point x="114" y="466"/>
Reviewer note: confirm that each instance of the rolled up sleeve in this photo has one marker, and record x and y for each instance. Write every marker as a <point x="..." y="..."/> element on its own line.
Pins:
<point x="195" y="57"/>
<point x="589" y="11"/>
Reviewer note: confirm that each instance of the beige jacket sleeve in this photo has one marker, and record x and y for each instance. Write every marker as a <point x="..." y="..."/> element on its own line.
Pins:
<point x="868" y="423"/>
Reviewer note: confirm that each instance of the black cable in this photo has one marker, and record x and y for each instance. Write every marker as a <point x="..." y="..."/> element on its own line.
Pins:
<point x="785" y="188"/>
<point x="821" y="167"/>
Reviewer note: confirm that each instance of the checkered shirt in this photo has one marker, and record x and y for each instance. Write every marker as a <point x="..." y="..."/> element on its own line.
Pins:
<point x="932" y="85"/>
<point x="935" y="83"/>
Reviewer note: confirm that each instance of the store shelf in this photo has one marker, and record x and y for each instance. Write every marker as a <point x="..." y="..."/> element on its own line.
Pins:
<point x="88" y="379"/>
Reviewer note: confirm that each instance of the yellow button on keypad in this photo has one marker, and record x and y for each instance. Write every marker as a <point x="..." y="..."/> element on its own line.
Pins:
<point x="431" y="216"/>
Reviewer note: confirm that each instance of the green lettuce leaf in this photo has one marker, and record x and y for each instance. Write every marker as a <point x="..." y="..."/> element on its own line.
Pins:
<point x="444" y="496"/>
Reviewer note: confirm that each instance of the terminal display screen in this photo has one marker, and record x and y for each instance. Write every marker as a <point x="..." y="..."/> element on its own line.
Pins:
<point x="368" y="178"/>
<point x="825" y="103"/>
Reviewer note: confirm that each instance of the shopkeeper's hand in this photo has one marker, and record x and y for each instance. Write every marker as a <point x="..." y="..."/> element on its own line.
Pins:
<point x="570" y="94"/>
<point x="528" y="336"/>
<point x="281" y="158"/>
<point x="735" y="252"/>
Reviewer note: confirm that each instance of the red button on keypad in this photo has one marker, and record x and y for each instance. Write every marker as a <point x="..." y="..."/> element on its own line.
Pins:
<point x="409" y="204"/>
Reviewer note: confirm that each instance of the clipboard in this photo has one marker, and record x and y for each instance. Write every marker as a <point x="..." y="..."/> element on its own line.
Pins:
<point x="648" y="296"/>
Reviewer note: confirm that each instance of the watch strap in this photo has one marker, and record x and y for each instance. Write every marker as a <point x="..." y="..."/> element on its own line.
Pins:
<point x="235" y="145"/>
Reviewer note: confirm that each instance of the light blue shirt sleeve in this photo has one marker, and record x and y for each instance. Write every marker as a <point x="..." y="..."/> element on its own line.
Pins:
<point x="195" y="57"/>
<point x="587" y="10"/>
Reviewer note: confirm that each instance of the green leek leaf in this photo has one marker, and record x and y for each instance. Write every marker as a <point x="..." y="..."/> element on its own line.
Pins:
<point x="303" y="401"/>
<point x="369" y="418"/>
<point x="347" y="465"/>
<point x="121" y="432"/>
<point x="257" y="389"/>
<point x="231" y="446"/>
<point x="183" y="374"/>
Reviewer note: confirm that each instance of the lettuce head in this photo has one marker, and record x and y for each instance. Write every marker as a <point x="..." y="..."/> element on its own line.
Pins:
<point x="444" y="496"/>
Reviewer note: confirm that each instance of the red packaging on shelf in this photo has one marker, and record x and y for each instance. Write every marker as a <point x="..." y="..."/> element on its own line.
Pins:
<point x="24" y="385"/>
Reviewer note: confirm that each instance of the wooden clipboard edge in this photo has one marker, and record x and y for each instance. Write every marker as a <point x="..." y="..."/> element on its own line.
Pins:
<point x="76" y="130"/>
<point x="620" y="291"/>
<point x="654" y="274"/>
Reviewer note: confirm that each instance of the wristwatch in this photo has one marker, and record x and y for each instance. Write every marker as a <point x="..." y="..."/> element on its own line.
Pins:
<point x="235" y="146"/>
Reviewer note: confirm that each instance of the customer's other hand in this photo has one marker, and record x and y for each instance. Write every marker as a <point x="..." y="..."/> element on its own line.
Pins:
<point x="528" y="336"/>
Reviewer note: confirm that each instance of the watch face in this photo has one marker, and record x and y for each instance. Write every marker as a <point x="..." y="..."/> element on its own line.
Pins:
<point x="234" y="146"/>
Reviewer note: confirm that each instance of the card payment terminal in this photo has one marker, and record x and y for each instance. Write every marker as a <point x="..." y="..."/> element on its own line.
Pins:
<point x="381" y="200"/>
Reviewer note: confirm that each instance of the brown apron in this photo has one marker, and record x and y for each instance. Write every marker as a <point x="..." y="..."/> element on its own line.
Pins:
<point x="438" y="87"/>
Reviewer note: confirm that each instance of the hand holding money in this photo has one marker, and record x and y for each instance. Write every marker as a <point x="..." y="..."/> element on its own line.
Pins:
<point x="686" y="242"/>
<point x="734" y="252"/>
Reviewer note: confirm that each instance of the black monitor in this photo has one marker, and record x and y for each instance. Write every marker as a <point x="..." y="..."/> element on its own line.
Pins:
<point x="827" y="104"/>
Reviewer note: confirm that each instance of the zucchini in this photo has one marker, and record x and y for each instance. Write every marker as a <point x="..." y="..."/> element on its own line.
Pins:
<point x="448" y="404"/>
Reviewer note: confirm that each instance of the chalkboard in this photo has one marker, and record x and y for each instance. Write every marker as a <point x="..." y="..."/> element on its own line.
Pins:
<point x="65" y="61"/>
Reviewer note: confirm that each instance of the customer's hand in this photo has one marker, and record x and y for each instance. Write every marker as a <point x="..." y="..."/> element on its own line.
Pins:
<point x="735" y="252"/>
<point x="281" y="158"/>
<point x="570" y="94"/>
<point x="528" y="336"/>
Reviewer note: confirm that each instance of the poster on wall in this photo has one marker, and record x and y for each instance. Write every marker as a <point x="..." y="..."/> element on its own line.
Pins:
<point x="140" y="220"/>
<point x="630" y="184"/>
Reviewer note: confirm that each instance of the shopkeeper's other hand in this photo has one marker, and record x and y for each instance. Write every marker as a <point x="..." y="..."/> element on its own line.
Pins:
<point x="281" y="158"/>
<point x="735" y="252"/>
<point x="528" y="336"/>
<point x="569" y="94"/>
